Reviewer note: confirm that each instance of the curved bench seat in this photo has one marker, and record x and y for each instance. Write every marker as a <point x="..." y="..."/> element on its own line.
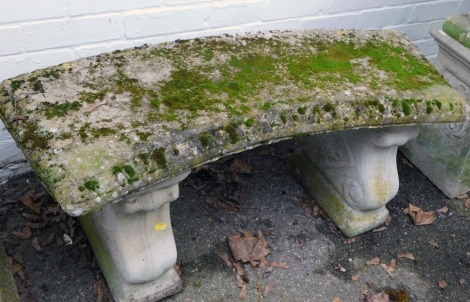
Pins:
<point x="100" y="128"/>
<point x="111" y="136"/>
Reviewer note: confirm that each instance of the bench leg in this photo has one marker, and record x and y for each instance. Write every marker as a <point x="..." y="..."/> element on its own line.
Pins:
<point x="352" y="174"/>
<point x="134" y="244"/>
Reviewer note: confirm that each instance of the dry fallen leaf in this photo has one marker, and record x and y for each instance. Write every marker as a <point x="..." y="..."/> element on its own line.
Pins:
<point x="419" y="216"/>
<point x="316" y="210"/>
<point x="389" y="268"/>
<point x="407" y="255"/>
<point x="443" y="284"/>
<point x="25" y="234"/>
<point x="240" y="270"/>
<point x="351" y="240"/>
<point x="392" y="266"/>
<point x="443" y="210"/>
<point x="278" y="264"/>
<point x="463" y="196"/>
<point x="48" y="240"/>
<point x="102" y="293"/>
<point x="379" y="229"/>
<point x="179" y="268"/>
<point x="15" y="268"/>
<point x="380" y="297"/>
<point x="355" y="277"/>
<point x="433" y="243"/>
<point x="462" y="281"/>
<point x="210" y="199"/>
<point x="269" y="288"/>
<point x="224" y="257"/>
<point x="240" y="281"/>
<point x="35" y="244"/>
<point x="239" y="166"/>
<point x="243" y="292"/>
<point x="32" y="217"/>
<point x="373" y="261"/>
<point x="388" y="220"/>
<point x="336" y="299"/>
<point x="248" y="248"/>
<point x="264" y="263"/>
<point x="467" y="203"/>
<point x="28" y="199"/>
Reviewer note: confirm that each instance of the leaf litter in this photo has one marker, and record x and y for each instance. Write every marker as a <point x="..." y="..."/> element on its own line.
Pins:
<point x="247" y="248"/>
<point x="419" y="216"/>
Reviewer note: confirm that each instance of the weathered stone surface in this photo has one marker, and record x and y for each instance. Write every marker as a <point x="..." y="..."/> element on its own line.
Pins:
<point x="458" y="27"/>
<point x="352" y="174"/>
<point x="134" y="244"/>
<point x="442" y="152"/>
<point x="100" y="128"/>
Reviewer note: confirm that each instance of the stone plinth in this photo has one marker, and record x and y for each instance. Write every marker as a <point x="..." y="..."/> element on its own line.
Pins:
<point x="442" y="152"/>
<point x="352" y="174"/>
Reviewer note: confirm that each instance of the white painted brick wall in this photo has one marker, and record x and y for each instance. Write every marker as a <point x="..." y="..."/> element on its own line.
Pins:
<point x="35" y="34"/>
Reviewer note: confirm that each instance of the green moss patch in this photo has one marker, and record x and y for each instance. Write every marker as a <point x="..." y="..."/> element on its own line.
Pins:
<point x="128" y="170"/>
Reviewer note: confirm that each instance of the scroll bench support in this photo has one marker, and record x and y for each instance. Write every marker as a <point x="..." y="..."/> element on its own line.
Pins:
<point x="134" y="243"/>
<point x="352" y="174"/>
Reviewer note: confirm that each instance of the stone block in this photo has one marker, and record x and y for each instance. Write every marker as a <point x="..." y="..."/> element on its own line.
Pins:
<point x="165" y="21"/>
<point x="384" y="17"/>
<point x="11" y="40"/>
<point x="28" y="10"/>
<point x="442" y="152"/>
<point x="433" y="11"/>
<point x="78" y="31"/>
<point x="352" y="174"/>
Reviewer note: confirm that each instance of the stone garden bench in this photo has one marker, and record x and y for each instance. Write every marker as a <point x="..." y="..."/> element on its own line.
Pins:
<point x="442" y="152"/>
<point x="111" y="136"/>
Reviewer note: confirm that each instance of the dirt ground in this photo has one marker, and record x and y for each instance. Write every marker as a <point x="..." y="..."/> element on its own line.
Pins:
<point x="52" y="260"/>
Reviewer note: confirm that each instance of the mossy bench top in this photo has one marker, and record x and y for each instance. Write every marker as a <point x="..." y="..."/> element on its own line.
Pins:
<point x="458" y="27"/>
<point x="99" y="128"/>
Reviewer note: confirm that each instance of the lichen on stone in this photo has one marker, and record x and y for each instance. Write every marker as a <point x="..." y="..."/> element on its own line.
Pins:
<point x="173" y="106"/>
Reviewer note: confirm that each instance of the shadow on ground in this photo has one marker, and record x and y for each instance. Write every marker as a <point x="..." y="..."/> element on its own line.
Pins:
<point x="269" y="200"/>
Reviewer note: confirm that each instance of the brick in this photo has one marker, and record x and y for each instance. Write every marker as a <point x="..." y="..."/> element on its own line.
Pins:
<point x="179" y="2"/>
<point x="402" y="2"/>
<point x="161" y="22"/>
<point x="96" y="49"/>
<point x="11" y="40"/>
<point x="48" y="58"/>
<point x="337" y="6"/>
<point x="384" y="17"/>
<point x="235" y="14"/>
<point x="282" y="9"/>
<point x="433" y="11"/>
<point x="82" y="7"/>
<point x="342" y="21"/>
<point x="205" y="33"/>
<point x="427" y="47"/>
<point x="432" y="26"/>
<point x="52" y="34"/>
<point x="11" y="66"/>
<point x="273" y="25"/>
<point x="15" y="10"/>
<point x="415" y="31"/>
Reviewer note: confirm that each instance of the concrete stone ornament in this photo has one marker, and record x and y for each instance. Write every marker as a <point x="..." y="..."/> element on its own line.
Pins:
<point x="442" y="152"/>
<point x="111" y="136"/>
